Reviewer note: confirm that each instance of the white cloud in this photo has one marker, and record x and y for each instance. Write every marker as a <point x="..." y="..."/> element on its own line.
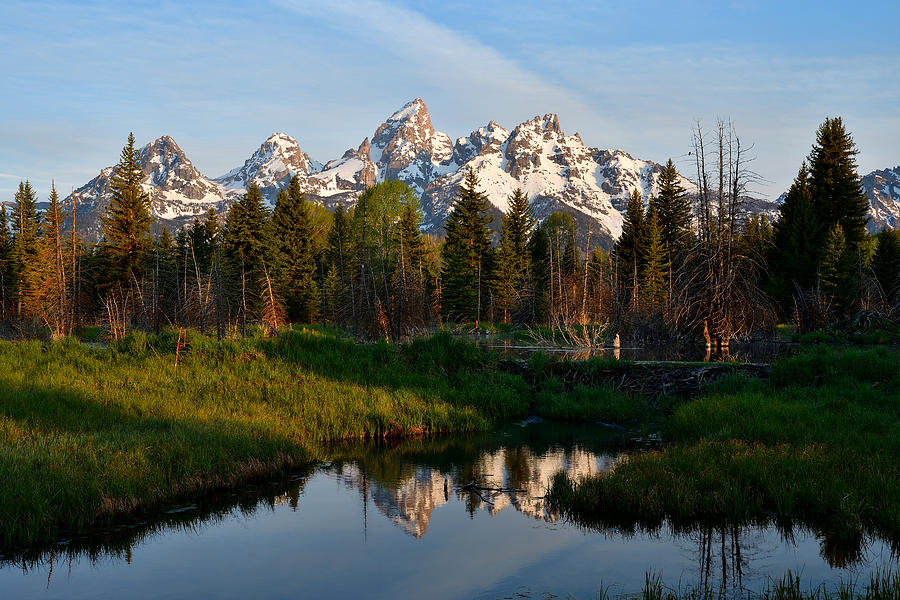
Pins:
<point x="475" y="80"/>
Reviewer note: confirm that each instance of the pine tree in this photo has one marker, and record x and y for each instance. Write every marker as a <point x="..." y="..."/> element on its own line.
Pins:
<point x="25" y="223"/>
<point x="294" y="260"/>
<point x="246" y="247"/>
<point x="126" y="224"/>
<point x="629" y="249"/>
<point x="507" y="290"/>
<point x="886" y="265"/>
<point x="44" y="276"/>
<point x="165" y="277"/>
<point x="514" y="287"/>
<point x="837" y="269"/>
<point x="340" y="258"/>
<point x="411" y="296"/>
<point x="797" y="242"/>
<point x="835" y="186"/>
<point x="654" y="283"/>
<point x="5" y="262"/>
<point x="673" y="208"/>
<point x="467" y="260"/>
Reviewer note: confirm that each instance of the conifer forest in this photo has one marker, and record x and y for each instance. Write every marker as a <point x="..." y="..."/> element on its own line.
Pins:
<point x="691" y="264"/>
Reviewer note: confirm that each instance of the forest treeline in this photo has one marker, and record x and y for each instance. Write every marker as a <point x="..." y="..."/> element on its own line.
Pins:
<point x="689" y="264"/>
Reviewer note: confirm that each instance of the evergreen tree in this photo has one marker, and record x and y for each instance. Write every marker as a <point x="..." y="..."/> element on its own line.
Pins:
<point x="837" y="270"/>
<point x="126" y="224"/>
<point x="295" y="261"/>
<point x="25" y="223"/>
<point x="467" y="260"/>
<point x="5" y="262"/>
<point x="340" y="291"/>
<point x="886" y="264"/>
<point x="673" y="209"/>
<point x="246" y="248"/>
<point x="165" y="277"/>
<point x="797" y="242"/>
<point x="521" y="222"/>
<point x="656" y="265"/>
<point x="45" y="296"/>
<point x="514" y="287"/>
<point x="629" y="248"/>
<point x="837" y="193"/>
<point x="410" y="277"/>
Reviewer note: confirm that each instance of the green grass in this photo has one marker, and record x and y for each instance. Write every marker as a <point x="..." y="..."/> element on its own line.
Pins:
<point x="87" y="434"/>
<point x="818" y="443"/>
<point x="882" y="585"/>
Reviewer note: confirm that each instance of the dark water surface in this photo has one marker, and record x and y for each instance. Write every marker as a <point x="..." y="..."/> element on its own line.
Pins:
<point x="742" y="352"/>
<point x="396" y="521"/>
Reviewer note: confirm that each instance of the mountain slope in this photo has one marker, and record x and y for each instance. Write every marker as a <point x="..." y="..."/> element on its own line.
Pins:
<point x="557" y="171"/>
<point x="178" y="191"/>
<point x="883" y="189"/>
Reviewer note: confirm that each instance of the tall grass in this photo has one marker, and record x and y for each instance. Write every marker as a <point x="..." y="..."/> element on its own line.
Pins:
<point x="819" y="442"/>
<point x="88" y="434"/>
<point x="882" y="585"/>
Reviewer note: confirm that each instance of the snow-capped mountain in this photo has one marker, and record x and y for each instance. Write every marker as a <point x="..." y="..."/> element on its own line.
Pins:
<point x="557" y="171"/>
<point x="277" y="160"/>
<point x="883" y="189"/>
<point x="178" y="191"/>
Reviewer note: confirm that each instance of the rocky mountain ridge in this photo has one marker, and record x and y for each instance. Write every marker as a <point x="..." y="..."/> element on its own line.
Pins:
<point x="557" y="172"/>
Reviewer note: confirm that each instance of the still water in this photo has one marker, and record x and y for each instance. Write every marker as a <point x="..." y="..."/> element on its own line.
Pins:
<point x="742" y="352"/>
<point x="406" y="521"/>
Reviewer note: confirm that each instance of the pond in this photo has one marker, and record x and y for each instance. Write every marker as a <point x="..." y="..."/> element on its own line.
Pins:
<point x="742" y="352"/>
<point x="405" y="520"/>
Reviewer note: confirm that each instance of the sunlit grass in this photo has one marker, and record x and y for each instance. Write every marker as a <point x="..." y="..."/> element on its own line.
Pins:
<point x="820" y="442"/>
<point x="86" y="434"/>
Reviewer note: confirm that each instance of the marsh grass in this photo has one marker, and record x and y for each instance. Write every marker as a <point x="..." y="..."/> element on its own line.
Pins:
<point x="88" y="434"/>
<point x="819" y="443"/>
<point x="882" y="585"/>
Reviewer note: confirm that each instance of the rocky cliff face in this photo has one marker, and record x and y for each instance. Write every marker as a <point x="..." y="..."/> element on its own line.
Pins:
<point x="557" y="171"/>
<point x="271" y="167"/>
<point x="883" y="189"/>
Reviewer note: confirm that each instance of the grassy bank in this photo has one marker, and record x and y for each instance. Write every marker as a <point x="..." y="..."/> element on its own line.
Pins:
<point x="87" y="434"/>
<point x="819" y="442"/>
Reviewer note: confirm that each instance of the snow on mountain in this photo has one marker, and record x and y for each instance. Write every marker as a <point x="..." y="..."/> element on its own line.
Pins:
<point x="178" y="191"/>
<point x="883" y="189"/>
<point x="410" y="502"/>
<point x="558" y="172"/>
<point x="406" y="147"/>
<point x="341" y="181"/>
<point x="277" y="160"/>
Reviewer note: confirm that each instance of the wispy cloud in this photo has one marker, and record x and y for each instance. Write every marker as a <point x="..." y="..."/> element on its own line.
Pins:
<point x="476" y="79"/>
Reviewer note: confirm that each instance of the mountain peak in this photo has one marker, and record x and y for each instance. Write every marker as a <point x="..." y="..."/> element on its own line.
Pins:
<point x="278" y="158"/>
<point x="410" y="109"/>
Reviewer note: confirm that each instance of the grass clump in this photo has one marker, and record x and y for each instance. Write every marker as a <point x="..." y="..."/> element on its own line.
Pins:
<point x="819" y="442"/>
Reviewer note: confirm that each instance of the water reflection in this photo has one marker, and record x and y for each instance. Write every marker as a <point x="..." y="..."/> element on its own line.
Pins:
<point x="747" y="352"/>
<point x="478" y="498"/>
<point x="507" y="477"/>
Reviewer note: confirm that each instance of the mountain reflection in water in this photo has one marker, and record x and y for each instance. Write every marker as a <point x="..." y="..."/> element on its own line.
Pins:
<point x="506" y="477"/>
<point x="472" y="504"/>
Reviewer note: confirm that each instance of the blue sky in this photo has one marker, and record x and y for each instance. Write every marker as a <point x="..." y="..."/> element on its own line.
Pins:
<point x="219" y="77"/>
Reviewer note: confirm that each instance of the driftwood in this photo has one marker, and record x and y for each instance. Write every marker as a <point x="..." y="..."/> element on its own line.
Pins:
<point x="475" y="487"/>
<point x="649" y="378"/>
